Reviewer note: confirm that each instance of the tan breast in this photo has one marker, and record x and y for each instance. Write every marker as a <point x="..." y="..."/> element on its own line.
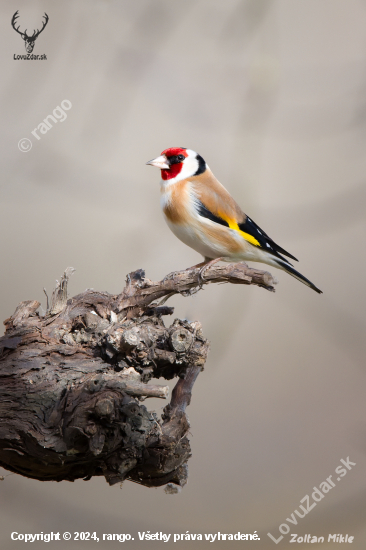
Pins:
<point x="175" y="202"/>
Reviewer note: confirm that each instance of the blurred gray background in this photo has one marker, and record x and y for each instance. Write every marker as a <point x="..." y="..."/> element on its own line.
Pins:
<point x="272" y="93"/>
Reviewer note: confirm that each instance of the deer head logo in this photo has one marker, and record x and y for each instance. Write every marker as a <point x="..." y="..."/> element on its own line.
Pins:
<point x="28" y="40"/>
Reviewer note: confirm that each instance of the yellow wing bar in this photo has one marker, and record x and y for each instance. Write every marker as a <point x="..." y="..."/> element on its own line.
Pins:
<point x="234" y="225"/>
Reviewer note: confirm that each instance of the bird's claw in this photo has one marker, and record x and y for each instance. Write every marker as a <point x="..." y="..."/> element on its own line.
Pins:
<point x="201" y="279"/>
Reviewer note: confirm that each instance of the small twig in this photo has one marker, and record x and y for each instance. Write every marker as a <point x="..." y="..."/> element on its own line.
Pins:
<point x="47" y="306"/>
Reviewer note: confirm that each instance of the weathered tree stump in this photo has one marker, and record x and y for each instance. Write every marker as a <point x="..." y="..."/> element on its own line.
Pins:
<point x="72" y="380"/>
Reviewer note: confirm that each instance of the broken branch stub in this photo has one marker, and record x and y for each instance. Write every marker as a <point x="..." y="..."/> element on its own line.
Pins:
<point x="59" y="295"/>
<point x="72" y="381"/>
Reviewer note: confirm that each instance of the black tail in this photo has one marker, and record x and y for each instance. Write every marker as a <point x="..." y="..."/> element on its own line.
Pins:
<point x="287" y="267"/>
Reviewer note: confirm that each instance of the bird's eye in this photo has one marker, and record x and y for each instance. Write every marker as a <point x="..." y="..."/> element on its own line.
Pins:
<point x="176" y="159"/>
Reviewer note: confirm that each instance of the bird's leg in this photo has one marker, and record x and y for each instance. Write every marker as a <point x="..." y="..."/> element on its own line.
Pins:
<point x="205" y="261"/>
<point x="205" y="265"/>
<point x="201" y="264"/>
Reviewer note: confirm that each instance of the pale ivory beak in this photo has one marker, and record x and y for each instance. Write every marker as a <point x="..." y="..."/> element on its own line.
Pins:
<point x="159" y="162"/>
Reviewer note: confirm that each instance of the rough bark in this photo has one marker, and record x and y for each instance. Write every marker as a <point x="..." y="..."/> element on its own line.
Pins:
<point x="72" y="381"/>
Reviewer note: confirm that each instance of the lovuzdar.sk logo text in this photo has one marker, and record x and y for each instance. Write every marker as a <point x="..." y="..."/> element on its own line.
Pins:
<point x="29" y="39"/>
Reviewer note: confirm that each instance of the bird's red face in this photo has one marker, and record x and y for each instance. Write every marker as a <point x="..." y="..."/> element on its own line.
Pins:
<point x="170" y="162"/>
<point x="175" y="157"/>
<point x="179" y="163"/>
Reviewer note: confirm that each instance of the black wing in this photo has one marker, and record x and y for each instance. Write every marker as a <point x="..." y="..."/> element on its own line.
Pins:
<point x="250" y="227"/>
<point x="206" y="213"/>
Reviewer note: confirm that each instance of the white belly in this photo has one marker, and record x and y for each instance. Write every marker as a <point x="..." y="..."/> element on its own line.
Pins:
<point x="193" y="237"/>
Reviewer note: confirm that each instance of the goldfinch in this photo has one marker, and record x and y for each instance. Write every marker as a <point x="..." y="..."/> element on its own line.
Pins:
<point x="203" y="215"/>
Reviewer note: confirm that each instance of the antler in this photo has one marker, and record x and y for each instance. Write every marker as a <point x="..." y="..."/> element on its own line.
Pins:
<point x="34" y="36"/>
<point x="24" y="34"/>
<point x="13" y="21"/>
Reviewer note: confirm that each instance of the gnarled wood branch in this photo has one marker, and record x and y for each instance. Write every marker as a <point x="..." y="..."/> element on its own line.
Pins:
<point x="141" y="292"/>
<point x="72" y="381"/>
